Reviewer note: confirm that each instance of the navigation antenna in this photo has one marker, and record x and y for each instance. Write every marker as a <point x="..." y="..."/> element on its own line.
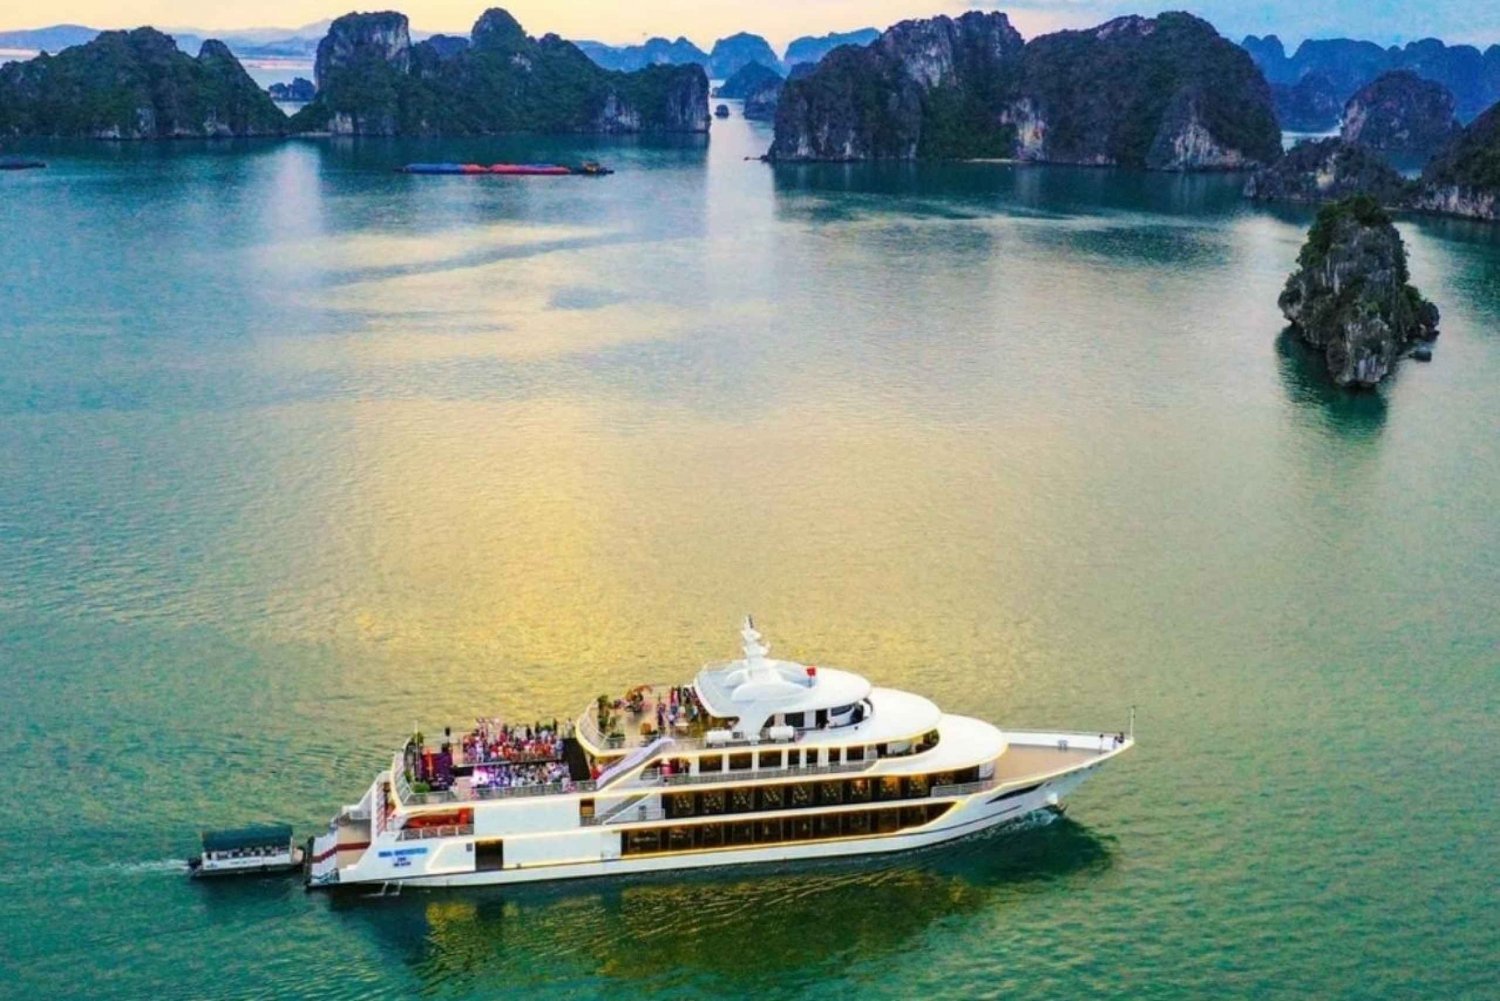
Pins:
<point x="754" y="649"/>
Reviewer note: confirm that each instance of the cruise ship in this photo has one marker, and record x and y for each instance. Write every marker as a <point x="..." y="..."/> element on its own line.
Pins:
<point x="754" y="760"/>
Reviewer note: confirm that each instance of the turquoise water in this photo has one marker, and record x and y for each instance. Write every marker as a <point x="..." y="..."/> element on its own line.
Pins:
<point x="295" y="450"/>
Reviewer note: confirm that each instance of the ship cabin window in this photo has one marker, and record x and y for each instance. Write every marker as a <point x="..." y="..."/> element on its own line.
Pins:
<point x="711" y="802"/>
<point x="772" y="797"/>
<point x="928" y="742"/>
<point x="800" y="795"/>
<point x="830" y="793"/>
<point x="711" y="763"/>
<point x="795" y="719"/>
<point x="888" y="788"/>
<point x="773" y="830"/>
<point x="835" y="755"/>
<point x="859" y="791"/>
<point x="679" y="804"/>
<point x="841" y="715"/>
<point x="741" y="762"/>
<point x="794" y="759"/>
<point x="585" y="808"/>
<point x="810" y="756"/>
<point x="770" y="759"/>
<point x="820" y="718"/>
<point x="898" y="749"/>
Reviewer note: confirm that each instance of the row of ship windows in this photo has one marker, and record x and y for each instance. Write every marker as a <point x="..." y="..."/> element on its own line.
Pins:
<point x="802" y="795"/>
<point x="777" y="830"/>
<point x="743" y="761"/>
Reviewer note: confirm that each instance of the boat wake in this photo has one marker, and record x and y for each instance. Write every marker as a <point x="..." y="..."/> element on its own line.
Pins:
<point x="152" y="867"/>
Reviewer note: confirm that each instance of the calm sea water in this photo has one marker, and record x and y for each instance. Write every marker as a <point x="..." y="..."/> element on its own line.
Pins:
<point x="295" y="451"/>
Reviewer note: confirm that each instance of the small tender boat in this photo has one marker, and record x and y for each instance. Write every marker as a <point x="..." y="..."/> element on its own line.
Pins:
<point x="509" y="169"/>
<point x="20" y="163"/>
<point x="241" y="850"/>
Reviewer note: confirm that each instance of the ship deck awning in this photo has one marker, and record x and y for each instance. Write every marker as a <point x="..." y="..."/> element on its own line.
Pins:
<point x="255" y="836"/>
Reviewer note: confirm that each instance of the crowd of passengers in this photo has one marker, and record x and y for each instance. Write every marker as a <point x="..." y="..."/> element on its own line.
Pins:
<point x="493" y="741"/>
<point x="512" y="776"/>
<point x="678" y="706"/>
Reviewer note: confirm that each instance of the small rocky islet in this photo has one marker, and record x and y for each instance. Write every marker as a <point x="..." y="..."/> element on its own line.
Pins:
<point x="1351" y="295"/>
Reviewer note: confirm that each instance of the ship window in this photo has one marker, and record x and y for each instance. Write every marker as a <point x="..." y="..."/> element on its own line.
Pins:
<point x="767" y="831"/>
<point x="888" y="788"/>
<point x="835" y="755"/>
<point x="679" y="838"/>
<point x="943" y="779"/>
<point x="711" y="763"/>
<point x="740" y="762"/>
<point x="857" y="823"/>
<point x="801" y="828"/>
<point x="887" y="821"/>
<point x="711" y="835"/>
<point x="794" y="719"/>
<point x="916" y="787"/>
<point x="801" y="795"/>
<point x="913" y="816"/>
<point x="772" y="798"/>
<point x="820" y="718"/>
<point x="794" y="759"/>
<point x="859" y="791"/>
<point x="770" y="759"/>
<point x="830" y="793"/>
<point x="828" y="825"/>
<point x="711" y="802"/>
<point x="741" y="800"/>
<point x="853" y="754"/>
<point x="742" y="832"/>
<point x="680" y="804"/>
<point x="585" y="808"/>
<point x="967" y="775"/>
<point x="880" y="750"/>
<point x="810" y="756"/>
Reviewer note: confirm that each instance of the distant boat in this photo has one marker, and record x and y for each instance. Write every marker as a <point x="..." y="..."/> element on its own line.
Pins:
<point x="722" y="111"/>
<point x="20" y="163"/>
<point x="508" y="169"/>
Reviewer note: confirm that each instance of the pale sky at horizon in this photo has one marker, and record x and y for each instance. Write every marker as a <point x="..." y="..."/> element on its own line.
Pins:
<point x="702" y="21"/>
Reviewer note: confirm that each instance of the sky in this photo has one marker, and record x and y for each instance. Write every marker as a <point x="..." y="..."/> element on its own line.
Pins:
<point x="624" y="21"/>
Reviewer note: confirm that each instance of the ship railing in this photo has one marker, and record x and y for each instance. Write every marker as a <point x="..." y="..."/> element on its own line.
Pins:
<point x="798" y="771"/>
<point x="517" y="792"/>
<point x="964" y="788"/>
<point x="629" y="814"/>
<point x="441" y="831"/>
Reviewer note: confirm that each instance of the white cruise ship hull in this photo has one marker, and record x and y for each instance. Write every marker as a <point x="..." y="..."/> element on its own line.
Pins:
<point x="555" y="850"/>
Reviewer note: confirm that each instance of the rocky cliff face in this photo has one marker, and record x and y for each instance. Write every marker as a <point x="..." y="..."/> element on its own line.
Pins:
<point x="1399" y="112"/>
<point x="363" y="39"/>
<point x="931" y="87"/>
<point x="1312" y="104"/>
<point x="1351" y="296"/>
<point x="135" y="85"/>
<point x="1464" y="178"/>
<point x="374" y="81"/>
<point x="1164" y="93"/>
<point x="1327" y="170"/>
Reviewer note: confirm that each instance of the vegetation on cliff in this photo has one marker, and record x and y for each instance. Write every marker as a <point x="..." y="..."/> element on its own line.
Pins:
<point x="135" y="85"/>
<point x="373" y="80"/>
<point x="1351" y="294"/>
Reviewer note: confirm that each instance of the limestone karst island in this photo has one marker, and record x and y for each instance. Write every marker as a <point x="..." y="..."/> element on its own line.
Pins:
<point x="893" y="499"/>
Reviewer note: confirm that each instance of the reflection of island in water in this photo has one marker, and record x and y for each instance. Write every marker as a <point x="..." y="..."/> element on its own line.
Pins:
<point x="1305" y="375"/>
<point x="732" y="930"/>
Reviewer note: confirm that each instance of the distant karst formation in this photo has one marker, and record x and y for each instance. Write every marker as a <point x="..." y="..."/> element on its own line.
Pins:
<point x="1311" y="86"/>
<point x="1462" y="179"/>
<point x="372" y="80"/>
<point x="1165" y="93"/>
<point x="652" y="52"/>
<point x="1326" y="170"/>
<point x="812" y="48"/>
<point x="1399" y="112"/>
<point x="1351" y="294"/>
<point x="730" y="55"/>
<point x="135" y="85"/>
<point x="756" y="85"/>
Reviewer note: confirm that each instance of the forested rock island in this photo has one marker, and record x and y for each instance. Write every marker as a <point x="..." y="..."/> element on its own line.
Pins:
<point x="371" y="80"/>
